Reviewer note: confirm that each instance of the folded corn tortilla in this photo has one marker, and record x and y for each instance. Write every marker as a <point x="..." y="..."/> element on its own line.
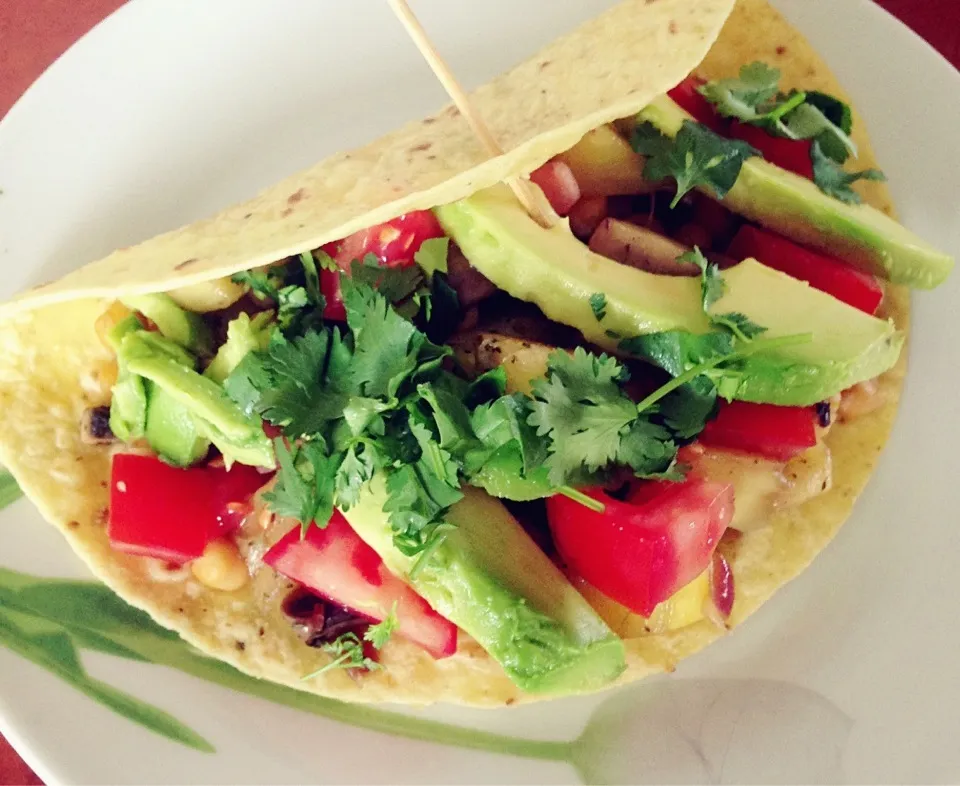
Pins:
<point x="607" y="69"/>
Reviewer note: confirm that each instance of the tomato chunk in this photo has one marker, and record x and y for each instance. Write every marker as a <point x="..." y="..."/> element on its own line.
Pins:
<point x="778" y="433"/>
<point x="172" y="514"/>
<point x="393" y="243"/>
<point x="843" y="281"/>
<point x="559" y="186"/>
<point x="641" y="551"/>
<point x="335" y="563"/>
<point x="790" y="154"/>
<point x="686" y="96"/>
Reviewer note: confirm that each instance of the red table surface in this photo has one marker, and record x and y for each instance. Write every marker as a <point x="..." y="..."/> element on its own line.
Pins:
<point x="36" y="32"/>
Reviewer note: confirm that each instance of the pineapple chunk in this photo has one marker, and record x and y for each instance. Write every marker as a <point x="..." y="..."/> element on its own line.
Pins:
<point x="604" y="164"/>
<point x="683" y="608"/>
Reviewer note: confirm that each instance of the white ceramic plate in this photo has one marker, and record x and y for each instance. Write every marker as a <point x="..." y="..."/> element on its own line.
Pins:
<point x="172" y="109"/>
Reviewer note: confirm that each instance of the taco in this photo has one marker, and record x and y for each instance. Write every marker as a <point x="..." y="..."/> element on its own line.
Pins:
<point x="378" y="435"/>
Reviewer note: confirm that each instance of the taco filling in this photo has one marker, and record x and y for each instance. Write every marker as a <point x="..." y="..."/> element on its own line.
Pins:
<point x="381" y="435"/>
<point x="459" y="423"/>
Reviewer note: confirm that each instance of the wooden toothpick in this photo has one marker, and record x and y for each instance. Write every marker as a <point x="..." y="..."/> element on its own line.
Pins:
<point x="530" y="197"/>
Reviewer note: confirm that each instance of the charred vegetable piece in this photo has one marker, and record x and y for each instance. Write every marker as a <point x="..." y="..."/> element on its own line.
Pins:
<point x="95" y="426"/>
<point x="641" y="248"/>
<point x="522" y="361"/>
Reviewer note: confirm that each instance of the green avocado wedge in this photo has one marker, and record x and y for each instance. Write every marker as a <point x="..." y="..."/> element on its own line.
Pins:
<point x="554" y="270"/>
<point x="795" y="207"/>
<point x="491" y="579"/>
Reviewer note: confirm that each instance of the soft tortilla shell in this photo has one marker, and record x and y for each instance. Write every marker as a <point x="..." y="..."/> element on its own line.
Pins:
<point x="44" y="353"/>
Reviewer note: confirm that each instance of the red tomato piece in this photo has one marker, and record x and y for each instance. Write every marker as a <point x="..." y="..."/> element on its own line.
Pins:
<point x="641" y="551"/>
<point x="777" y="433"/>
<point x="686" y="96"/>
<point x="559" y="185"/>
<point x="790" y="154"/>
<point x="335" y="563"/>
<point x="172" y="514"/>
<point x="843" y="281"/>
<point x="393" y="243"/>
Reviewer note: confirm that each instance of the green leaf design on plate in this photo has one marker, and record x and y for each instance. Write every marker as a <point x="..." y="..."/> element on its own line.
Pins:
<point x="9" y="490"/>
<point x="55" y="652"/>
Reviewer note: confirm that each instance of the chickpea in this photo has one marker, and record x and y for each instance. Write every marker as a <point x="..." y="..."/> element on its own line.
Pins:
<point x="221" y="567"/>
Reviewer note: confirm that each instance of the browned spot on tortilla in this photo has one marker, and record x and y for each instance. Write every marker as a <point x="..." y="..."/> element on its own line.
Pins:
<point x="421" y="148"/>
<point x="241" y="646"/>
<point x="41" y="285"/>
<point x="431" y="157"/>
<point x="544" y="64"/>
<point x="296" y="196"/>
<point x="286" y="212"/>
<point x="248" y="215"/>
<point x="781" y="50"/>
<point x="453" y="111"/>
<point x="672" y="27"/>
<point x="429" y="121"/>
<point x="73" y="525"/>
<point x="103" y="484"/>
<point x="102" y="515"/>
<point x="186" y="263"/>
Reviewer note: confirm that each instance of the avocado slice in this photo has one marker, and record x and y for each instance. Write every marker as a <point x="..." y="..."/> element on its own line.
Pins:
<point x="793" y="206"/>
<point x="489" y="578"/>
<point x="553" y="269"/>
<point x="171" y="430"/>
<point x="238" y="436"/>
<point x="183" y="327"/>
<point x="128" y="406"/>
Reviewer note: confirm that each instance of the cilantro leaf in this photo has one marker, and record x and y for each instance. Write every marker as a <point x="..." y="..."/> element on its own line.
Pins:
<point x="386" y="345"/>
<point x="740" y="97"/>
<point x="809" y="122"/>
<point x="356" y="468"/>
<point x="296" y="398"/>
<point x="740" y="325"/>
<point x="712" y="285"/>
<point x="264" y="284"/>
<point x="347" y="653"/>
<point x="417" y="499"/>
<point x="646" y="448"/>
<point x="676" y="351"/>
<point x="696" y="158"/>
<point x="378" y="635"/>
<point x="396" y="284"/>
<point x="304" y="484"/>
<point x="432" y="256"/>
<point x="598" y="304"/>
<point x="834" y="181"/>
<point x="687" y="409"/>
<point x="583" y="409"/>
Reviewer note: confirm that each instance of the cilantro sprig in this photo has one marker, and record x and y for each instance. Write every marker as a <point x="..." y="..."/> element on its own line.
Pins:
<point x="754" y="97"/>
<point x="695" y="158"/>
